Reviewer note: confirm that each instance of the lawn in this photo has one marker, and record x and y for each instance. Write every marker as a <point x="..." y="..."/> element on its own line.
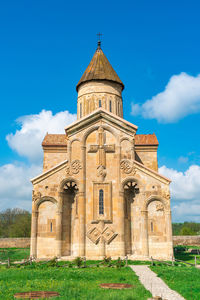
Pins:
<point x="184" y="280"/>
<point x="14" y="254"/>
<point x="71" y="283"/>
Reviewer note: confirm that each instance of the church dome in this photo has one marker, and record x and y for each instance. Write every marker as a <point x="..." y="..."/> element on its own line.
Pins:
<point x="99" y="69"/>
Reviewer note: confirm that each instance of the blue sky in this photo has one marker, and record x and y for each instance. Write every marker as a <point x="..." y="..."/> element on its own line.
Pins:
<point x="45" y="48"/>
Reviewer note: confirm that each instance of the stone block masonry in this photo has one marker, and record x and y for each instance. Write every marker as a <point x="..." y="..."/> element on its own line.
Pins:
<point x="186" y="240"/>
<point x="15" y="243"/>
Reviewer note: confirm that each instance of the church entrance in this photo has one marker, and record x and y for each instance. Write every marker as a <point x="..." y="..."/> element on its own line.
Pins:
<point x="69" y="192"/>
<point x="130" y="190"/>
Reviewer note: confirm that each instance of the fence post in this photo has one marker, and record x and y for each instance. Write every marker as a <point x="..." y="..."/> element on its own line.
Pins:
<point x="172" y="260"/>
<point x="151" y="260"/>
<point x="8" y="262"/>
<point x="195" y="260"/>
<point x="84" y="260"/>
<point x="126" y="260"/>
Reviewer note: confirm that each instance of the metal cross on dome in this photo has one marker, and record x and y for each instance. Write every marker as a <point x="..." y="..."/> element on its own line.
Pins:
<point x="99" y="35"/>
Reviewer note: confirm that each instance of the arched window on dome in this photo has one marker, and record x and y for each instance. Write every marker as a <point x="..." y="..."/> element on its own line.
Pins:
<point x="110" y="106"/>
<point x="99" y="103"/>
<point x="101" y="202"/>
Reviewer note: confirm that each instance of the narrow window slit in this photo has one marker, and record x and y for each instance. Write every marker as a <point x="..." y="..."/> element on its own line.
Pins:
<point x="101" y="202"/>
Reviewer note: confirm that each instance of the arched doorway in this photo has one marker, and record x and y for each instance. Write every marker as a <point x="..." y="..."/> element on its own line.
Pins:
<point x="130" y="190"/>
<point x="69" y="191"/>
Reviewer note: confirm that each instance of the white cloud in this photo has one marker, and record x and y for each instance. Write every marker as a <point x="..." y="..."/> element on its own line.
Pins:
<point x="15" y="185"/>
<point x="27" y="140"/>
<point x="185" y="193"/>
<point x="180" y="98"/>
<point x="185" y="185"/>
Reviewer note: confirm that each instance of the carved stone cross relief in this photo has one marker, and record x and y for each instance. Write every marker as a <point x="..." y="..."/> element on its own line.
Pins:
<point x="102" y="149"/>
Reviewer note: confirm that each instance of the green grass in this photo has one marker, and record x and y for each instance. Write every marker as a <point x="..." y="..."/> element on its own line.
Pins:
<point x="71" y="283"/>
<point x="14" y="254"/>
<point x="184" y="280"/>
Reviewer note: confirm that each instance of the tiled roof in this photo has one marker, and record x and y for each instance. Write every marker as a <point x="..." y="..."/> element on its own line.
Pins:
<point x="55" y="140"/>
<point x="61" y="140"/>
<point x="99" y="69"/>
<point x="146" y="139"/>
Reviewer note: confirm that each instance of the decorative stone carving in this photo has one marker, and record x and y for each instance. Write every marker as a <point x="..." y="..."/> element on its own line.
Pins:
<point x="94" y="235"/>
<point x="74" y="167"/>
<point x="107" y="234"/>
<point x="159" y="207"/>
<point x="36" y="196"/>
<point x="101" y="172"/>
<point x="127" y="166"/>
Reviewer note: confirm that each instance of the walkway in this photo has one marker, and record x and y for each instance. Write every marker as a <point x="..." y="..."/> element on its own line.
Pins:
<point x="154" y="284"/>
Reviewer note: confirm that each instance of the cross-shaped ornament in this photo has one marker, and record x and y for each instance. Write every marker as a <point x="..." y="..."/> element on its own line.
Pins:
<point x="99" y="39"/>
<point x="102" y="148"/>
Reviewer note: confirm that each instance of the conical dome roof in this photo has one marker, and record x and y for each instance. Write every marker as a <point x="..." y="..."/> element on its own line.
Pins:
<point x="99" y="69"/>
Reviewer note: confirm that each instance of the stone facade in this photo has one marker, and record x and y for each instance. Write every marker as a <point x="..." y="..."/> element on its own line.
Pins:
<point x="100" y="193"/>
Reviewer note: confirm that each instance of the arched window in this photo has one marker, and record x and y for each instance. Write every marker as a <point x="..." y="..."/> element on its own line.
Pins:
<point x="101" y="202"/>
<point x="51" y="227"/>
<point x="99" y="103"/>
<point x="80" y="110"/>
<point x="118" y="109"/>
<point x="110" y="106"/>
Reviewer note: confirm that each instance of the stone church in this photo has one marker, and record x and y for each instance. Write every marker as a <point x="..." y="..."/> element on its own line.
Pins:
<point x="100" y="193"/>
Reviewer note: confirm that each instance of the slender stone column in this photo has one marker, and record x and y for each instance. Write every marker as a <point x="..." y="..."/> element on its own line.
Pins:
<point x="144" y="233"/>
<point x="34" y="234"/>
<point x="168" y="223"/>
<point x="120" y="219"/>
<point x="81" y="214"/>
<point x="81" y="204"/>
<point x="102" y="249"/>
<point x="133" y="149"/>
<point x="59" y="233"/>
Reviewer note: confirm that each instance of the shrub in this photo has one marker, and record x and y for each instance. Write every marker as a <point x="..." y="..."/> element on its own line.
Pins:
<point x="78" y="261"/>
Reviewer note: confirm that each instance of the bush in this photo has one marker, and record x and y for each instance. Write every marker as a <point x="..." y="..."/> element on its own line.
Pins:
<point x="78" y="261"/>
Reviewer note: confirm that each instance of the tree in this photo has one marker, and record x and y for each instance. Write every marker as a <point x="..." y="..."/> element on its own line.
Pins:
<point x="15" y="222"/>
<point x="186" y="230"/>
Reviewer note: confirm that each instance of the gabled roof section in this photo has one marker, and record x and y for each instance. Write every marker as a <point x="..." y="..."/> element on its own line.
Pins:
<point x="97" y="115"/>
<point x="146" y="139"/>
<point x="59" y="140"/>
<point x="99" y="69"/>
<point x="151" y="172"/>
<point x="49" y="172"/>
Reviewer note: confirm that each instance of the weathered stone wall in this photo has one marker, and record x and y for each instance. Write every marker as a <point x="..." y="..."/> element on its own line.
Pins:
<point x="14" y="242"/>
<point x="187" y="240"/>
<point x="25" y="242"/>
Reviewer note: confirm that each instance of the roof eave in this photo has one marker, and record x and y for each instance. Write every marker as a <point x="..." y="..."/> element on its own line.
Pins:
<point x="97" y="79"/>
